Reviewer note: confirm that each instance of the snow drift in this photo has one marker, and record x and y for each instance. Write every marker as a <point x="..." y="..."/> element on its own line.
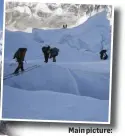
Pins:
<point x="64" y="79"/>
<point x="49" y="77"/>
<point x="46" y="105"/>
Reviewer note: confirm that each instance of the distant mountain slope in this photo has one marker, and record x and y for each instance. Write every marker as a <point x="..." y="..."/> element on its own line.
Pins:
<point x="20" y="15"/>
<point x="81" y="43"/>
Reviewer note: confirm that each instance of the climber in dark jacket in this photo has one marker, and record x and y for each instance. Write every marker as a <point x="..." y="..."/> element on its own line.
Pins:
<point x="19" y="56"/>
<point x="103" y="54"/>
<point x="53" y="53"/>
<point x="46" y="52"/>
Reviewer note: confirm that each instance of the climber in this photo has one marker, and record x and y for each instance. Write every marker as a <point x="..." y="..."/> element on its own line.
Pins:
<point x="65" y="26"/>
<point x="46" y="52"/>
<point x="53" y="53"/>
<point x="19" y="56"/>
<point x="103" y="54"/>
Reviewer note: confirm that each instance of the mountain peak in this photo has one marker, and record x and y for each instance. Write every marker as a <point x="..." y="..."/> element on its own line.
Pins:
<point x="20" y="16"/>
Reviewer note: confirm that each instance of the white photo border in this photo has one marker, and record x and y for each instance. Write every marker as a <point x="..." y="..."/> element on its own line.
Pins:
<point x="111" y="60"/>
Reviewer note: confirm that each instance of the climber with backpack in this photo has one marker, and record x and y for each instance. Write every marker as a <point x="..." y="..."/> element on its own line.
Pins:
<point x="46" y="52"/>
<point x="53" y="53"/>
<point x="103" y="55"/>
<point x="19" y="56"/>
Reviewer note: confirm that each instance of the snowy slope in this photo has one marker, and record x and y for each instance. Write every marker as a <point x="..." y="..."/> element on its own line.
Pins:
<point x="76" y="40"/>
<point x="65" y="78"/>
<point x="47" y="105"/>
<point x="78" y="79"/>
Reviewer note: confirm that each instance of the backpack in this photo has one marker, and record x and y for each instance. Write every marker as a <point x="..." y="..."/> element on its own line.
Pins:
<point x="54" y="51"/>
<point x="20" y="54"/>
